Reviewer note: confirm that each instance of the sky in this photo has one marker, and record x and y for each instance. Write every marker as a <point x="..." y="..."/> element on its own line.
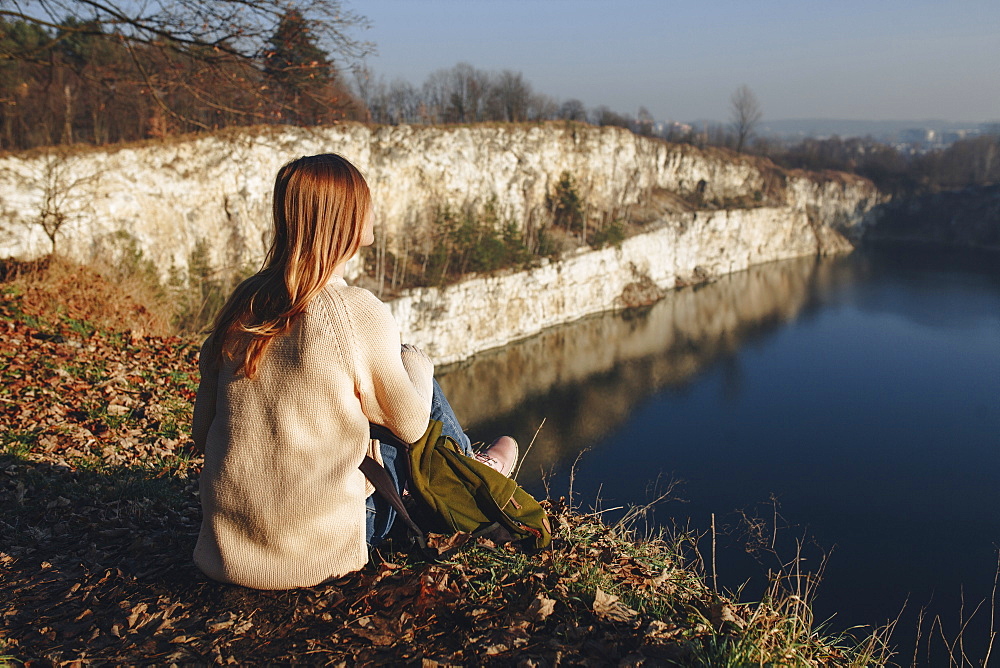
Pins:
<point x="836" y="59"/>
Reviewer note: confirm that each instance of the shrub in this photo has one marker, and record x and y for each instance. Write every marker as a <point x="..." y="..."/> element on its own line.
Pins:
<point x="466" y="242"/>
<point x="565" y="204"/>
<point x="612" y="234"/>
<point x="201" y="293"/>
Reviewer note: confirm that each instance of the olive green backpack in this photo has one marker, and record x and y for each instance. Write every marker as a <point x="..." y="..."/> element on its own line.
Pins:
<point x="461" y="493"/>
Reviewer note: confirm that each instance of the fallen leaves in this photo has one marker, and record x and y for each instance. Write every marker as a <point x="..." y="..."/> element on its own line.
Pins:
<point x="138" y="612"/>
<point x="444" y="543"/>
<point x="93" y="398"/>
<point x="609" y="607"/>
<point x="383" y="631"/>
<point x="723" y="613"/>
<point x="238" y="625"/>
<point x="541" y="608"/>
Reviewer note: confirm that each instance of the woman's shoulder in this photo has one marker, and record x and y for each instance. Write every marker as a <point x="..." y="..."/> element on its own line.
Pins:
<point x="356" y="301"/>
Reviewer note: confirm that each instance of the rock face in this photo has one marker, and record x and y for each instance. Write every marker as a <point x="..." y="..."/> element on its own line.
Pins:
<point x="453" y="322"/>
<point x="967" y="218"/>
<point x="706" y="212"/>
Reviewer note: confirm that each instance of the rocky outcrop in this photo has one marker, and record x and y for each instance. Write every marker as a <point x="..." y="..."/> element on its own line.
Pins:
<point x="453" y="322"/>
<point x="968" y="218"/>
<point x="703" y="213"/>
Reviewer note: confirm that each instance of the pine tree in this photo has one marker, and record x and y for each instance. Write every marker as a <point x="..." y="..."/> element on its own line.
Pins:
<point x="301" y="70"/>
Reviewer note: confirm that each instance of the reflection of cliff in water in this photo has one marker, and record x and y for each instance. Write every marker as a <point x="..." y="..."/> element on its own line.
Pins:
<point x="586" y="378"/>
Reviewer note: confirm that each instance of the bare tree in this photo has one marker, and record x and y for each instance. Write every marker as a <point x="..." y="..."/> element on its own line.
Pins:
<point x="392" y="104"/>
<point x="468" y="89"/>
<point x="603" y="115"/>
<point x="573" y="110"/>
<point x="644" y="122"/>
<point x="510" y="97"/>
<point x="230" y="38"/>
<point x="371" y="92"/>
<point x="61" y="183"/>
<point x="435" y="94"/>
<point x="403" y="102"/>
<point x="541" y="107"/>
<point x="745" y="113"/>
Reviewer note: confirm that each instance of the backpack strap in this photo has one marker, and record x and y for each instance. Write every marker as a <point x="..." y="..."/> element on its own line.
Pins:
<point x="384" y="435"/>
<point x="379" y="477"/>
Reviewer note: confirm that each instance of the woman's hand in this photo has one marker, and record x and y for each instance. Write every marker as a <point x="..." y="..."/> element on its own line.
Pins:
<point x="419" y="367"/>
<point x="410" y="348"/>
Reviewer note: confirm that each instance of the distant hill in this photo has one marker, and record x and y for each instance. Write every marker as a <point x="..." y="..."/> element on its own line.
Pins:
<point x="882" y="130"/>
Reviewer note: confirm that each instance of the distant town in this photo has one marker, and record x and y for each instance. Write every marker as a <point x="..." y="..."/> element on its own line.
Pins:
<point x="907" y="137"/>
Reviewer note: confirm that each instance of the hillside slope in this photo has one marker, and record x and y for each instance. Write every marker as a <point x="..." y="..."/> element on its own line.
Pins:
<point x="98" y="488"/>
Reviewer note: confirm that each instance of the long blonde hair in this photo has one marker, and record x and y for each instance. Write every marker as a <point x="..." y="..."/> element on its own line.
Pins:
<point x="321" y="203"/>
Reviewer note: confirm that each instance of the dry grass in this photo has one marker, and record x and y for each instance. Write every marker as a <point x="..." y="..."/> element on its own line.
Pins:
<point x="54" y="288"/>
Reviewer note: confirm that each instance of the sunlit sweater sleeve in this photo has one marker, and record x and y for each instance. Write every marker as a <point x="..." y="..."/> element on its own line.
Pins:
<point x="394" y="383"/>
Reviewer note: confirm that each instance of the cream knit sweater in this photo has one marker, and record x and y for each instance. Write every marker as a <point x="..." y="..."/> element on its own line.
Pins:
<point x="282" y="495"/>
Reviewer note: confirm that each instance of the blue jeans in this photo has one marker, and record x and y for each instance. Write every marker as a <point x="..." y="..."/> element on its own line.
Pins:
<point x="441" y="410"/>
<point x="381" y="515"/>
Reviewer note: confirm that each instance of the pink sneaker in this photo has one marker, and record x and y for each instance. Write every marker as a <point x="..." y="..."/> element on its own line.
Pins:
<point x="501" y="455"/>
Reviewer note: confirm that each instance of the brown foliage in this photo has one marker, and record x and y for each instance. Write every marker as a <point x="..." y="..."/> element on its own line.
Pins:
<point x="54" y="285"/>
<point x="98" y="73"/>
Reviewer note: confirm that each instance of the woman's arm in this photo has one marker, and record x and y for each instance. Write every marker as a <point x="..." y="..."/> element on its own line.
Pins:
<point x="204" y="403"/>
<point x="395" y="382"/>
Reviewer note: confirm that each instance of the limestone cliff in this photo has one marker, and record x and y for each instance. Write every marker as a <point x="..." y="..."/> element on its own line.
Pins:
<point x="706" y="212"/>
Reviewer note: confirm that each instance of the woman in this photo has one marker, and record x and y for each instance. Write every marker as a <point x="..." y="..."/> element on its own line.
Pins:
<point x="297" y="365"/>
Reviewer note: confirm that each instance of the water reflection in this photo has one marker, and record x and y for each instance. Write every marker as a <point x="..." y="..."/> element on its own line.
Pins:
<point x="910" y="276"/>
<point x="586" y="378"/>
<point x="862" y="392"/>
